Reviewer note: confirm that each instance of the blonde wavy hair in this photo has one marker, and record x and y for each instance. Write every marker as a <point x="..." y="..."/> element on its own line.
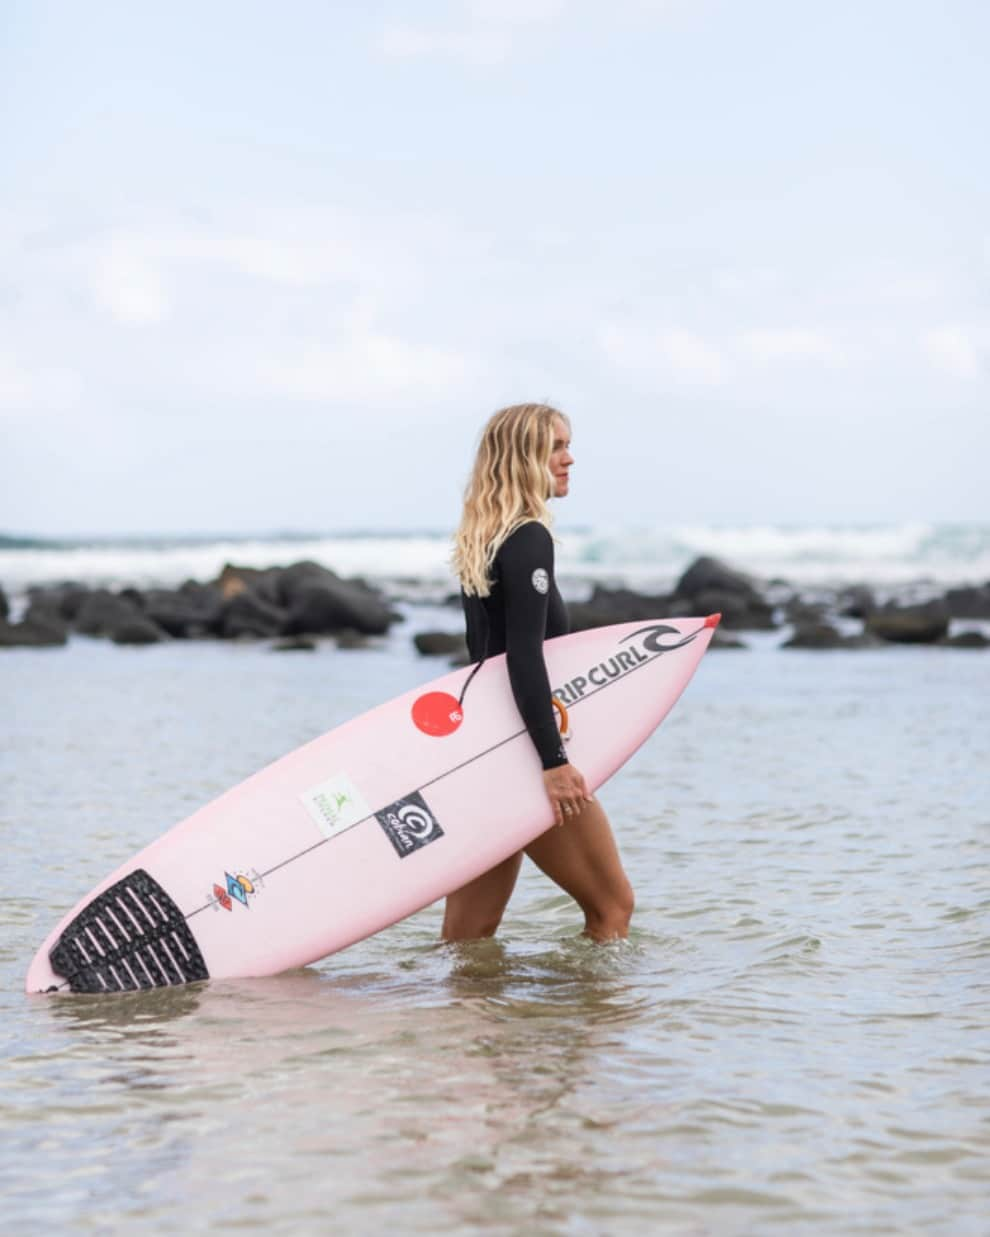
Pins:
<point x="509" y="485"/>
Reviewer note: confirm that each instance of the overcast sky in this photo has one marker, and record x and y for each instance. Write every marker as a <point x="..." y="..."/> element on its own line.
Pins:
<point x="269" y="266"/>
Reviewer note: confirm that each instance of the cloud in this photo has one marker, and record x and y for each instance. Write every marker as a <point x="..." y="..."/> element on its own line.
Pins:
<point x="768" y="346"/>
<point x="516" y="13"/>
<point x="958" y="350"/>
<point x="23" y="388"/>
<point x="128" y="286"/>
<point x="473" y="47"/>
<point x="365" y="366"/>
<point x="289" y="304"/>
<point x="126" y="266"/>
<point x="672" y="353"/>
<point x="690" y="358"/>
<point x="485" y="34"/>
<point x="139" y="274"/>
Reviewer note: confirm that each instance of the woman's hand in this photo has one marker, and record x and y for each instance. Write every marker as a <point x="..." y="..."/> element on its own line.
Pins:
<point x="567" y="791"/>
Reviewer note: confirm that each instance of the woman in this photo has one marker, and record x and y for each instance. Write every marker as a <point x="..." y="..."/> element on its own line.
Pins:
<point x="503" y="554"/>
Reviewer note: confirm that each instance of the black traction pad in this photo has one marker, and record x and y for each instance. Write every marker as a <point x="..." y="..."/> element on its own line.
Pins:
<point x="131" y="936"/>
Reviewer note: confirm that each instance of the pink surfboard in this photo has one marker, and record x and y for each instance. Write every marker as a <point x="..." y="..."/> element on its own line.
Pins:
<point x="367" y="824"/>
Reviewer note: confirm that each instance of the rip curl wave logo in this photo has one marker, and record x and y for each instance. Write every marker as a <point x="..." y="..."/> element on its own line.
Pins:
<point x="643" y="646"/>
<point x="652" y="635"/>
<point x="409" y="824"/>
<point x="541" y="581"/>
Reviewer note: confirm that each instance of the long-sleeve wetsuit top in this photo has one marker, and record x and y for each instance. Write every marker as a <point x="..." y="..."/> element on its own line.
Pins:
<point x="523" y="608"/>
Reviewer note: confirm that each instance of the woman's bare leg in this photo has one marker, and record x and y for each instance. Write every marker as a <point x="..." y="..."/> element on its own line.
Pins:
<point x="582" y="858"/>
<point x="476" y="909"/>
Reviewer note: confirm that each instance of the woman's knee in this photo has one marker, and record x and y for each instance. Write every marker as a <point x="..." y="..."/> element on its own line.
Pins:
<point x="609" y="915"/>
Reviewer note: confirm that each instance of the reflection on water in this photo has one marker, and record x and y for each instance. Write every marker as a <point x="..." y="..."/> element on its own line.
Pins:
<point x="470" y="1058"/>
<point x="791" y="1042"/>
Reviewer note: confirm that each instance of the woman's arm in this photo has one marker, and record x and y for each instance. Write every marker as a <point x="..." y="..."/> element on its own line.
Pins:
<point x="525" y="572"/>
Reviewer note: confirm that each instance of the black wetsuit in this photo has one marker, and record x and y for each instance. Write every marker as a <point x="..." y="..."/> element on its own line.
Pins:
<point x="523" y="609"/>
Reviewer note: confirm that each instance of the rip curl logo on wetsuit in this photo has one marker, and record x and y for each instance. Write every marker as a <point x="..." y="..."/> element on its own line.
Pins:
<point x="644" y="645"/>
<point x="409" y="824"/>
<point x="541" y="580"/>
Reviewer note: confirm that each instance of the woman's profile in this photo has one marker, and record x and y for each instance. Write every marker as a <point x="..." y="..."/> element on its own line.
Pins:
<point x="504" y="557"/>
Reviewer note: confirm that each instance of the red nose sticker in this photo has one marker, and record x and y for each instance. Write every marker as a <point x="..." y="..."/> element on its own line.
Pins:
<point x="437" y="713"/>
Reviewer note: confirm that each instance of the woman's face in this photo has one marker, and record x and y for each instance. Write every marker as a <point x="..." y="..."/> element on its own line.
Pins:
<point x="561" y="458"/>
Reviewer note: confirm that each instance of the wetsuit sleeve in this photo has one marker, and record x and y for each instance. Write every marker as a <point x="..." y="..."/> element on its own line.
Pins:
<point x="526" y="572"/>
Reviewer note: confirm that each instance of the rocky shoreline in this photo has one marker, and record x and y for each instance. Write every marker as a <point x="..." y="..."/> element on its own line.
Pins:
<point x="710" y="586"/>
<point x="295" y="605"/>
<point x="243" y="603"/>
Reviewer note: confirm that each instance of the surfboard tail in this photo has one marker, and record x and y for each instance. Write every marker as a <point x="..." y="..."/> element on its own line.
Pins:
<point x="130" y="936"/>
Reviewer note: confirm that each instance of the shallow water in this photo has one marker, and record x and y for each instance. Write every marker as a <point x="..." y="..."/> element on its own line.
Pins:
<point x="794" y="1040"/>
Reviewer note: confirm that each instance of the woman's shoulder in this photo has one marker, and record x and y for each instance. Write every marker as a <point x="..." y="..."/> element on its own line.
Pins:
<point x="529" y="539"/>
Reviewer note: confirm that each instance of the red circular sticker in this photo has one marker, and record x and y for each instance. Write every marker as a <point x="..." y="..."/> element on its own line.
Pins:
<point x="437" y="713"/>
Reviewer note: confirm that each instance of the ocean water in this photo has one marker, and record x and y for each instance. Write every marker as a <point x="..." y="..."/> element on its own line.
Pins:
<point x="794" y="1040"/>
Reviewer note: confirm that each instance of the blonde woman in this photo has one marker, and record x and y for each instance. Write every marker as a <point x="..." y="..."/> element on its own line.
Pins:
<point x="503" y="554"/>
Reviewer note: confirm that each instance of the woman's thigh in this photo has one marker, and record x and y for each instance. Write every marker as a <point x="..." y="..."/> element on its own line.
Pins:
<point x="476" y="909"/>
<point x="582" y="858"/>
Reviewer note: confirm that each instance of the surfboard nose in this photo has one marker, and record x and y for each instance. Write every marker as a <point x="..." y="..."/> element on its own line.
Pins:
<point x="713" y="620"/>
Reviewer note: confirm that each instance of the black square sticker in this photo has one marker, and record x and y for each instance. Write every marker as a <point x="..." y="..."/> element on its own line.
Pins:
<point x="409" y="824"/>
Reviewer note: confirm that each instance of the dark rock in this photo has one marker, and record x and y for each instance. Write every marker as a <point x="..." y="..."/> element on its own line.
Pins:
<point x="910" y="624"/>
<point x="740" y="612"/>
<point x="185" y="613"/>
<point x="722" y="641"/>
<point x="621" y="605"/>
<point x="246" y="615"/>
<point x="261" y="582"/>
<point x="138" y="630"/>
<point x="968" y="602"/>
<point x="328" y="605"/>
<point x="803" y="613"/>
<point x="440" y="643"/>
<point x="710" y="575"/>
<point x="200" y="595"/>
<point x="815" y="636"/>
<point x="38" y="633"/>
<point x="99" y="613"/>
<point x="966" y="640"/>
<point x="44" y="615"/>
<point x="102" y="613"/>
<point x="4" y="606"/>
<point x="857" y="602"/>
<point x="297" y="578"/>
<point x="712" y="587"/>
<point x="64" y="599"/>
<point x="348" y="638"/>
<point x="295" y="644"/>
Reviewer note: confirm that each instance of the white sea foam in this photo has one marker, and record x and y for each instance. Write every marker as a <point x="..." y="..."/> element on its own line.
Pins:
<point x="169" y="563"/>
<point x="883" y="555"/>
<point x="880" y="554"/>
